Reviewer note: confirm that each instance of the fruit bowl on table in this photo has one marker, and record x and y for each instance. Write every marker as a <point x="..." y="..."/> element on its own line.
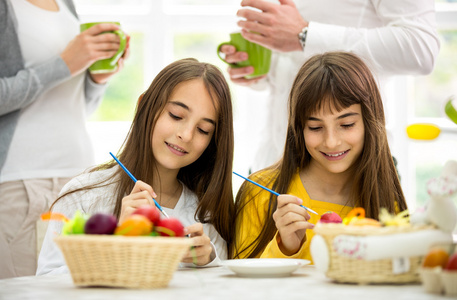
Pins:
<point x="370" y="254"/>
<point x="122" y="261"/>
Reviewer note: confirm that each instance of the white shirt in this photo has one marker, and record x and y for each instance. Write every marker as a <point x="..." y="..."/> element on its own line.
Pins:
<point x="394" y="37"/>
<point x="51" y="261"/>
<point x="50" y="139"/>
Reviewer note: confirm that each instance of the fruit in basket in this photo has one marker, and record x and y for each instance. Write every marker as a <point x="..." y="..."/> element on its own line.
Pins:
<point x="358" y="212"/>
<point x="355" y="213"/>
<point x="150" y="212"/>
<point x="100" y="223"/>
<point x="76" y="224"/>
<point x="436" y="257"/>
<point x="134" y="225"/>
<point x="452" y="263"/>
<point x="330" y="217"/>
<point x="170" y="227"/>
<point x="365" y="222"/>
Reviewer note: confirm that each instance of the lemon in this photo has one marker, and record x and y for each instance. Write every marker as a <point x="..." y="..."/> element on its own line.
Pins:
<point x="423" y="131"/>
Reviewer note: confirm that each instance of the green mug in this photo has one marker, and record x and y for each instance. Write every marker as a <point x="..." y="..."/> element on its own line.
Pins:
<point x="258" y="56"/>
<point x="107" y="65"/>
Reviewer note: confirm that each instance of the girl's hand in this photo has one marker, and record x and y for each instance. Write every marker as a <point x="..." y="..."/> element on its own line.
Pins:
<point x="90" y="46"/>
<point x="200" y="253"/>
<point x="291" y="221"/>
<point x="141" y="194"/>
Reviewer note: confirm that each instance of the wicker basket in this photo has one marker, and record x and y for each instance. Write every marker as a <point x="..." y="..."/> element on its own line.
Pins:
<point x="351" y="270"/>
<point x="120" y="261"/>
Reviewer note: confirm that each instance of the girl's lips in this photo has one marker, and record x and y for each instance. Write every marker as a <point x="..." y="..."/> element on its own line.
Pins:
<point x="175" y="149"/>
<point x="335" y="155"/>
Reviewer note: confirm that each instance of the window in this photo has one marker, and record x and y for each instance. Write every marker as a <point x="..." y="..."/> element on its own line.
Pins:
<point x="427" y="96"/>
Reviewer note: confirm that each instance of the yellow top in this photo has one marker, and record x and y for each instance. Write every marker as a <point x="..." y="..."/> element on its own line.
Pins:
<point x="251" y="219"/>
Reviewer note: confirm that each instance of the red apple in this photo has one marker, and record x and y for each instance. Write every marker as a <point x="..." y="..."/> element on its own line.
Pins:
<point x="330" y="217"/>
<point x="100" y="223"/>
<point x="452" y="263"/>
<point x="170" y="227"/>
<point x="150" y="212"/>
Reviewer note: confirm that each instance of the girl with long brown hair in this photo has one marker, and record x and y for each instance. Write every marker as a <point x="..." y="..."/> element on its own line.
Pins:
<point x="180" y="147"/>
<point x="336" y="157"/>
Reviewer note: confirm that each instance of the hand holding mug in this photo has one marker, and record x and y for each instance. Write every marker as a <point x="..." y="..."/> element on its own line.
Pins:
<point x="238" y="74"/>
<point x="104" y="77"/>
<point x="248" y="62"/>
<point x="95" y="43"/>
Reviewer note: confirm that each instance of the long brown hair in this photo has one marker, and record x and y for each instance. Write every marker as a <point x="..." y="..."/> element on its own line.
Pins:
<point x="210" y="176"/>
<point x="336" y="80"/>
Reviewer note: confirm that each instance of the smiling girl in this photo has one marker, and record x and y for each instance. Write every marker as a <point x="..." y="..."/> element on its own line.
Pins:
<point x="180" y="145"/>
<point x="336" y="157"/>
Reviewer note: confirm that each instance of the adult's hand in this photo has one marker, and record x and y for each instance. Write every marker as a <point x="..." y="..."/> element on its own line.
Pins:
<point x="90" y="46"/>
<point x="104" y="77"/>
<point x="237" y="74"/>
<point x="275" y="27"/>
<point x="291" y="221"/>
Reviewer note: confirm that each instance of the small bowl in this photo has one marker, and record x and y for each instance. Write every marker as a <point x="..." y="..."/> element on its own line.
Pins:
<point x="431" y="279"/>
<point x="449" y="279"/>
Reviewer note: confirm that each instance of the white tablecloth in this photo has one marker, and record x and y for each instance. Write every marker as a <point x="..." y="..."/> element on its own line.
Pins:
<point x="214" y="283"/>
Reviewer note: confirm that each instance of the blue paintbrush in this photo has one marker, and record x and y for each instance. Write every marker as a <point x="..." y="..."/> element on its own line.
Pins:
<point x="271" y="191"/>
<point x="134" y="180"/>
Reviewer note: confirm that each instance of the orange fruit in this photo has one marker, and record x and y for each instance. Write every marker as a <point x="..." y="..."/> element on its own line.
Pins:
<point x="435" y="257"/>
<point x="134" y="225"/>
<point x="356" y="212"/>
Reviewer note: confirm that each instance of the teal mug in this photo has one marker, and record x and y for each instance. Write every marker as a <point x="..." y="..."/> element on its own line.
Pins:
<point x="107" y="65"/>
<point x="258" y="56"/>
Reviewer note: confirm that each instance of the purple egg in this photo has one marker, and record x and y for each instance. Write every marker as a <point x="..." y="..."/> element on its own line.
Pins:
<point x="100" y="223"/>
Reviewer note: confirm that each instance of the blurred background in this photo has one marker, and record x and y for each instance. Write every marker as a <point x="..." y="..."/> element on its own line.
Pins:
<point x="166" y="30"/>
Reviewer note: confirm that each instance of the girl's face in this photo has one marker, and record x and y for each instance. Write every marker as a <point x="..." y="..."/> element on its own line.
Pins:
<point x="185" y="127"/>
<point x="335" y="140"/>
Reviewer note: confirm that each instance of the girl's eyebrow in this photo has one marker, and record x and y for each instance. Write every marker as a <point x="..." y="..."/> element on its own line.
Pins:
<point x="178" y="103"/>
<point x="339" y="117"/>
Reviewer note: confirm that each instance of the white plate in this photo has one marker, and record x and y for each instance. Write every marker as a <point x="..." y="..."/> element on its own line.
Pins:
<point x="264" y="267"/>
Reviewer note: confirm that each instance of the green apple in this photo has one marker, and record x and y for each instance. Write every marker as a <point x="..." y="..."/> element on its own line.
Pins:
<point x="76" y="224"/>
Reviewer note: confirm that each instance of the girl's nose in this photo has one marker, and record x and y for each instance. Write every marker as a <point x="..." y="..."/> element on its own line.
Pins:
<point x="185" y="133"/>
<point x="332" y="139"/>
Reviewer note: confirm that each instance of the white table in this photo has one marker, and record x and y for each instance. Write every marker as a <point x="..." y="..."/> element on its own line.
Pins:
<point x="214" y="283"/>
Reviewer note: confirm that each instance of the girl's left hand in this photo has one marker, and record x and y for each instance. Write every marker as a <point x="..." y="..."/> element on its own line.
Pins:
<point x="200" y="253"/>
<point x="104" y="77"/>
